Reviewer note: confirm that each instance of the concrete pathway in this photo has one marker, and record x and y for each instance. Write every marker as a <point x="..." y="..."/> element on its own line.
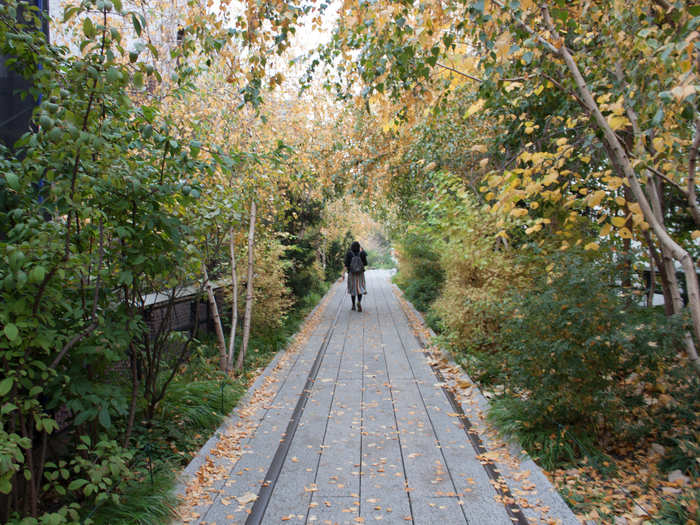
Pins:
<point x="357" y="428"/>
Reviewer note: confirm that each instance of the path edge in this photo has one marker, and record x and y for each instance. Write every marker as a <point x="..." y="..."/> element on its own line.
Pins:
<point x="546" y="492"/>
<point x="186" y="474"/>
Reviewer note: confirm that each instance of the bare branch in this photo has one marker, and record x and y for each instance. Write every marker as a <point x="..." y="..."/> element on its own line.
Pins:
<point x="666" y="179"/>
<point x="692" y="163"/>
<point x="470" y="77"/>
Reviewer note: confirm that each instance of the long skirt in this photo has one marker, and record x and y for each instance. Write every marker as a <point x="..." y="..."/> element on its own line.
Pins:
<point x="356" y="283"/>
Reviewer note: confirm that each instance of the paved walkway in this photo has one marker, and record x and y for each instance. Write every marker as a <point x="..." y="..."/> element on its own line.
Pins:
<point x="360" y="429"/>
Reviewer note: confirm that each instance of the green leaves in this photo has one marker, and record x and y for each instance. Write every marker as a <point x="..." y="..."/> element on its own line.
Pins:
<point x="12" y="181"/>
<point x="6" y="385"/>
<point x="89" y="28"/>
<point x="137" y="23"/>
<point x="104" y="418"/>
<point x="11" y="332"/>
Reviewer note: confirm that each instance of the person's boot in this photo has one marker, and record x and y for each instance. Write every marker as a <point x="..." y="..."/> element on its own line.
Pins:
<point x="353" y="304"/>
<point x="359" y="307"/>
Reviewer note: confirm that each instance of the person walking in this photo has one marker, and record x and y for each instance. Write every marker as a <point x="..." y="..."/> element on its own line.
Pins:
<point x="355" y="262"/>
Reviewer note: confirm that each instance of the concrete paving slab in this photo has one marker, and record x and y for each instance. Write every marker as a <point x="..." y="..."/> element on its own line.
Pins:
<point x="383" y="482"/>
<point x="334" y="510"/>
<point x="296" y="484"/>
<point x="428" y="510"/>
<point x="472" y="483"/>
<point x="339" y="465"/>
<point x="426" y="470"/>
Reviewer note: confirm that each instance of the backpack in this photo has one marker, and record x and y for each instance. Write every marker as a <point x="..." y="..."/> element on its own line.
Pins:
<point x="356" y="264"/>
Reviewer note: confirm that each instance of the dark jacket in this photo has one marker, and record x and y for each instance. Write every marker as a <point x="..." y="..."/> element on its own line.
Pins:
<point x="348" y="258"/>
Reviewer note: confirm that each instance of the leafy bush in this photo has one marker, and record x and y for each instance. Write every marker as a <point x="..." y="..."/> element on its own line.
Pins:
<point x="478" y="271"/>
<point x="420" y="274"/>
<point x="571" y="354"/>
<point x="380" y="258"/>
<point x="272" y="299"/>
<point x="334" y="259"/>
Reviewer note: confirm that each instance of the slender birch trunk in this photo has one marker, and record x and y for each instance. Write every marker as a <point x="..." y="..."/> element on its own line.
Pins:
<point x="249" y="290"/>
<point x="217" y="320"/>
<point x="234" y="313"/>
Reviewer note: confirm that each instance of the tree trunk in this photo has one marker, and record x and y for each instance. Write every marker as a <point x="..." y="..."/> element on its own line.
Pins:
<point x="221" y="339"/>
<point x="249" y="290"/>
<point x="620" y="158"/>
<point x="134" y="398"/>
<point x="669" y="268"/>
<point x="234" y="313"/>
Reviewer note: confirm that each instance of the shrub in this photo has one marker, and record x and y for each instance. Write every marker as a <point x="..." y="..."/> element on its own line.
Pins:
<point x="420" y="274"/>
<point x="334" y="259"/>
<point x="380" y="258"/>
<point x="272" y="299"/>
<point x="570" y="348"/>
<point x="478" y="274"/>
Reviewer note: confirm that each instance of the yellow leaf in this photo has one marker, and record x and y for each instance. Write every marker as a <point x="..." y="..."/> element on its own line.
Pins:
<point x="617" y="122"/>
<point x="591" y="246"/>
<point x="529" y="130"/>
<point x="625" y="233"/>
<point x="484" y="162"/>
<point x="551" y="178"/>
<point x="475" y="108"/>
<point x="618" y="221"/>
<point x="595" y="198"/>
<point x="695" y="234"/>
<point x="659" y="144"/>
<point x="605" y="230"/>
<point x="617" y="108"/>
<point x="518" y="212"/>
<point x="604" y="98"/>
<point x="539" y="90"/>
<point x="620" y="200"/>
